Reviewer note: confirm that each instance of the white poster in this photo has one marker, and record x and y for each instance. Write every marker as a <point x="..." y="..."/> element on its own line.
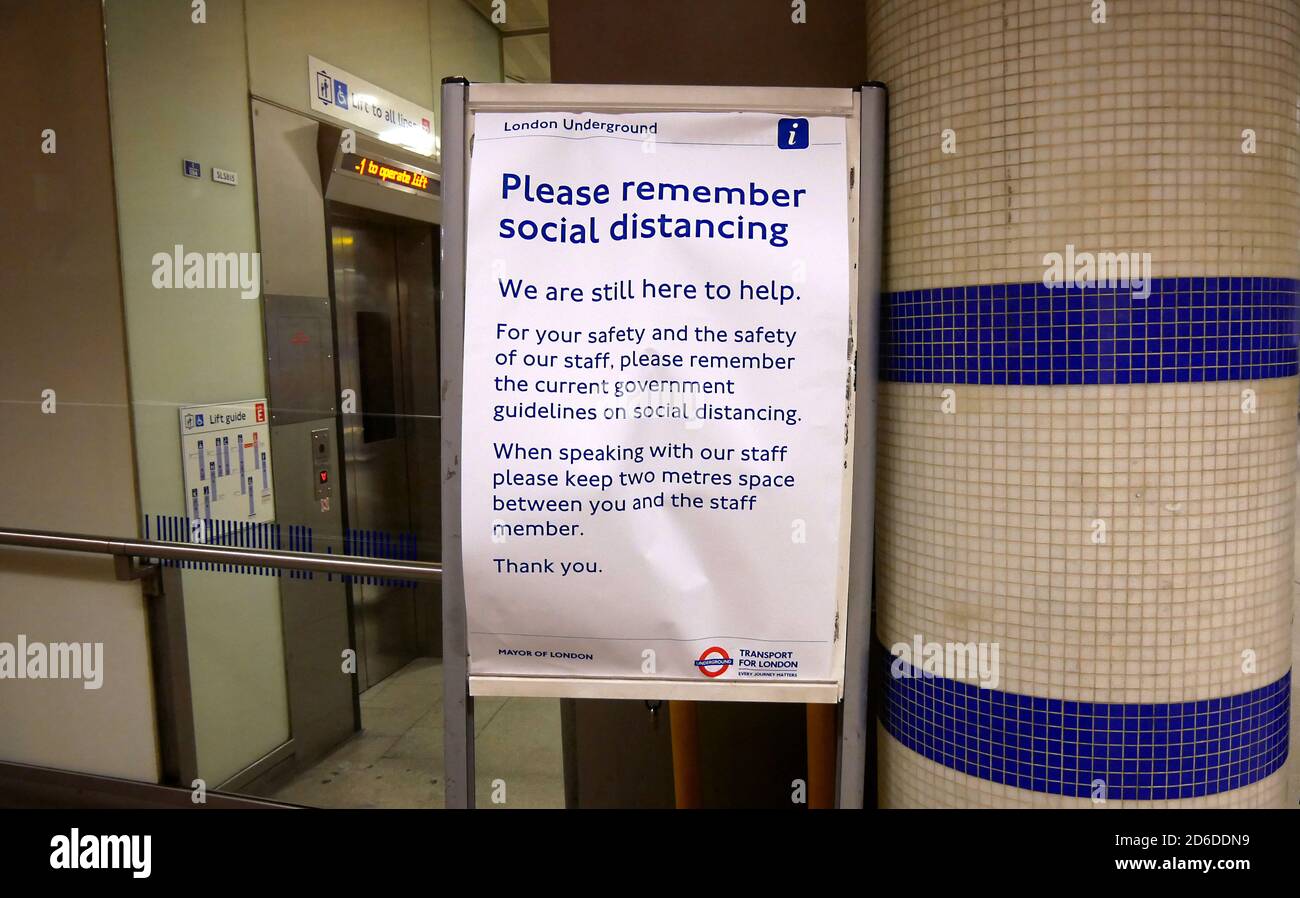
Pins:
<point x="361" y="104"/>
<point x="226" y="462"/>
<point x="655" y="396"/>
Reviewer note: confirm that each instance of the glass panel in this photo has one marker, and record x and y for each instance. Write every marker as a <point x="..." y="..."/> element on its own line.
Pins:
<point x="266" y="377"/>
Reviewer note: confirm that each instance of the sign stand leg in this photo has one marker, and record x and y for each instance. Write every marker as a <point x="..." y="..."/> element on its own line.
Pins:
<point x="458" y="707"/>
<point x="821" y="755"/>
<point x="684" y="724"/>
<point x="855" y="719"/>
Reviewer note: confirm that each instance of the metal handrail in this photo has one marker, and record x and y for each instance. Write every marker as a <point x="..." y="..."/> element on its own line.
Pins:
<point x="171" y="551"/>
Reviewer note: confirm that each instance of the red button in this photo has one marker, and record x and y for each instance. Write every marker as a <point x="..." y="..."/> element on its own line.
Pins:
<point x="324" y="476"/>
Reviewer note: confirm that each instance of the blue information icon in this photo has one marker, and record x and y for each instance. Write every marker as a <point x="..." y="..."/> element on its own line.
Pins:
<point x="792" y="133"/>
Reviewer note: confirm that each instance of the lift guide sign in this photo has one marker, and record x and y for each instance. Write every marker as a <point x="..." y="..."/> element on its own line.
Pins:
<point x="226" y="460"/>
<point x="657" y="314"/>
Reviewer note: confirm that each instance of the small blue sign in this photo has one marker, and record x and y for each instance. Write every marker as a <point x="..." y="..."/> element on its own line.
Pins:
<point x="340" y="94"/>
<point x="792" y="133"/>
<point x="193" y="169"/>
<point x="198" y="420"/>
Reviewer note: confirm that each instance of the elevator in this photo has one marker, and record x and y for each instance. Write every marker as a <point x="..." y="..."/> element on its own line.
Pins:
<point x="384" y="281"/>
<point x="348" y="227"/>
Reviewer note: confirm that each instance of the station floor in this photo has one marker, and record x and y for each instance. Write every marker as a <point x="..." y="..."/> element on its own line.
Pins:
<point x="396" y="760"/>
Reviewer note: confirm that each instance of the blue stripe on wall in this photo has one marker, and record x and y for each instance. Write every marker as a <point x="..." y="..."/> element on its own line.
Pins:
<point x="1140" y="751"/>
<point x="1188" y="330"/>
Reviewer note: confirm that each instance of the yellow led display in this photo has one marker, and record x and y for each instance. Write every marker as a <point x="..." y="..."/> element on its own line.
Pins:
<point x="387" y="172"/>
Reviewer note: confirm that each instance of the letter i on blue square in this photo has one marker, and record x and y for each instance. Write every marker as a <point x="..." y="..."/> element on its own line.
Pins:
<point x="792" y="133"/>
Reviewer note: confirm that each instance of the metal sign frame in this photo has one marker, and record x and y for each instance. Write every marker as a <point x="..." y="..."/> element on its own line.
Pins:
<point x="865" y="106"/>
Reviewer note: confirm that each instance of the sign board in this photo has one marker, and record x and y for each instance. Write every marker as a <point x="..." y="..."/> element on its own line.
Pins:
<point x="226" y="462"/>
<point x="360" y="104"/>
<point x="656" y="476"/>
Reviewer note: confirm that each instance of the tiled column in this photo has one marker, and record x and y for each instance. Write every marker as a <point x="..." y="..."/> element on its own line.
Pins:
<point x="1090" y="485"/>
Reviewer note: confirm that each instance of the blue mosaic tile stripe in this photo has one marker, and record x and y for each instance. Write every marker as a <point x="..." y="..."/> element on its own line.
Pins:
<point x="1188" y="330"/>
<point x="1142" y="752"/>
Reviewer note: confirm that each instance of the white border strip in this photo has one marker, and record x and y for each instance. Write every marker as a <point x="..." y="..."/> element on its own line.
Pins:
<point x="640" y="98"/>
<point x="671" y="690"/>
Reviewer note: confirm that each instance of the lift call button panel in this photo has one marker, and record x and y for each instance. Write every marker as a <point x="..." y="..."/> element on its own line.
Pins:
<point x="320" y="458"/>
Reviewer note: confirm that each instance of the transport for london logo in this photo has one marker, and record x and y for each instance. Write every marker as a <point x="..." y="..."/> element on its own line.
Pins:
<point x="714" y="661"/>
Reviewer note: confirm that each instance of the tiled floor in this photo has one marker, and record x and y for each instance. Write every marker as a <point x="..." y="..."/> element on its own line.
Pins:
<point x="396" y="761"/>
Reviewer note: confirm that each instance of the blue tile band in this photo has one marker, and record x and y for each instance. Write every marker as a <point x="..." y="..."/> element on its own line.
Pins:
<point x="1140" y="751"/>
<point x="1188" y="330"/>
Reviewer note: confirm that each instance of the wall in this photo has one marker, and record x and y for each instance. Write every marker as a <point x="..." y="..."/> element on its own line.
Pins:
<point x="405" y="46"/>
<point x="707" y="42"/>
<point x="527" y="58"/>
<point x="383" y="41"/>
<point x="178" y="91"/>
<point x="462" y="43"/>
<point x="72" y="470"/>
